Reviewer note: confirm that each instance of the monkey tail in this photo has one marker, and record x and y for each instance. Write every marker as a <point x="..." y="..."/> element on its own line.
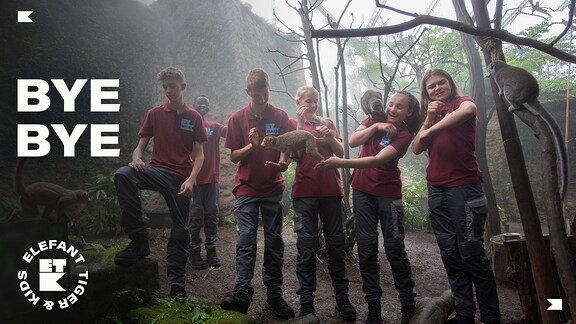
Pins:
<point x="560" y="148"/>
<point x="18" y="181"/>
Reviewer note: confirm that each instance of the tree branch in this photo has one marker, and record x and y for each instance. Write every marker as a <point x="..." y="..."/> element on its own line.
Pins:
<point x="570" y="19"/>
<point x="442" y="22"/>
<point x="402" y="12"/>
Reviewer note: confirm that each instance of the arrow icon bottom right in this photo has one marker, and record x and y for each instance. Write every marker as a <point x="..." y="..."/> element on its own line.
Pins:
<point x="555" y="303"/>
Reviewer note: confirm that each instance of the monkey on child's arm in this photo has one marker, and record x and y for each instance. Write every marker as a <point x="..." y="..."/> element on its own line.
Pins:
<point x="520" y="89"/>
<point x="291" y="142"/>
<point x="53" y="197"/>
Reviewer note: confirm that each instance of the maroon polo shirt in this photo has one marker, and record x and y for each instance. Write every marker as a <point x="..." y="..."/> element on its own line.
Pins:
<point x="452" y="158"/>
<point x="308" y="182"/>
<point x="210" y="171"/>
<point x="384" y="180"/>
<point x="174" y="136"/>
<point x="253" y="179"/>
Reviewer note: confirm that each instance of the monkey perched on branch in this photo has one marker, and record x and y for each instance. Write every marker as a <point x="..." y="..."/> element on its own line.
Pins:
<point x="53" y="197"/>
<point x="521" y="90"/>
<point x="291" y="142"/>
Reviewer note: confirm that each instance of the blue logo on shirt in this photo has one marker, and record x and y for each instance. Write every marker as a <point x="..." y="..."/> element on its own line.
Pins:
<point x="271" y="129"/>
<point x="385" y="141"/>
<point x="186" y="124"/>
<point x="209" y="131"/>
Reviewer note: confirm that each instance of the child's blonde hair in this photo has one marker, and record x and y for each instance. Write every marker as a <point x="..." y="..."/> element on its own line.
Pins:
<point x="305" y="89"/>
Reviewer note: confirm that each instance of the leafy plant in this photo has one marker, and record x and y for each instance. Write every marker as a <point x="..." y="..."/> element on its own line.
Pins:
<point x="104" y="208"/>
<point x="414" y="196"/>
<point x="100" y="253"/>
<point x="227" y="220"/>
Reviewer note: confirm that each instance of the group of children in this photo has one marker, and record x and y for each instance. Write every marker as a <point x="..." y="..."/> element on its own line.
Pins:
<point x="178" y="168"/>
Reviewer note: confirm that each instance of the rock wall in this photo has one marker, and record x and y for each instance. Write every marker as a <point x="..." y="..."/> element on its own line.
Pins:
<point x="215" y="42"/>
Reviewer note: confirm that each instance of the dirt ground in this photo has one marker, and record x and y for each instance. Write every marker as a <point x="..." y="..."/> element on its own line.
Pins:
<point x="210" y="285"/>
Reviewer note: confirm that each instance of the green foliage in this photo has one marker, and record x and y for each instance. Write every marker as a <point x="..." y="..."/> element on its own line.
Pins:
<point x="98" y="253"/>
<point x="551" y="73"/>
<point x="167" y="310"/>
<point x="227" y="220"/>
<point x="286" y="195"/>
<point x="414" y="195"/>
<point x="104" y="209"/>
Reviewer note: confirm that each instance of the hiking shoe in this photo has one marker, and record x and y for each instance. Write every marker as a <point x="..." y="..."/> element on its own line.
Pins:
<point x="374" y="313"/>
<point x="345" y="308"/>
<point x="280" y="307"/>
<point x="407" y="314"/>
<point x="306" y="308"/>
<point x="136" y="251"/>
<point x="236" y="303"/>
<point x="177" y="292"/>
<point x="196" y="261"/>
<point x="212" y="258"/>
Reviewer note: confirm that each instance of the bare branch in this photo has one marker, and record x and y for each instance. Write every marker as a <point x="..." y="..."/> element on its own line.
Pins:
<point x="570" y="18"/>
<point x="498" y="14"/>
<point x="379" y="5"/>
<point x="286" y="55"/>
<point x="342" y="13"/>
<point x="282" y="75"/>
<point x="442" y="22"/>
<point x="321" y="73"/>
<point x="290" y="40"/>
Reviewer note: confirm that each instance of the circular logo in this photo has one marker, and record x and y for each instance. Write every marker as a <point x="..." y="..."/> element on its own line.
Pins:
<point x="43" y="278"/>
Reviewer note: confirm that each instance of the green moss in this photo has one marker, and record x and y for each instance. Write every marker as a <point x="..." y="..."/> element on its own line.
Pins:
<point x="184" y="311"/>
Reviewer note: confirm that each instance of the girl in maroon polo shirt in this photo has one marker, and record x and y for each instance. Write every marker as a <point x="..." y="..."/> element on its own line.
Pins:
<point x="377" y="196"/>
<point x="456" y="200"/>
<point x="318" y="194"/>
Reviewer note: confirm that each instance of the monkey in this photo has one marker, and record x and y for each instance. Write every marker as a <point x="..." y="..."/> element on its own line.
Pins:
<point x="324" y="121"/>
<point x="291" y="142"/>
<point x="53" y="197"/>
<point x="521" y="89"/>
<point x="371" y="103"/>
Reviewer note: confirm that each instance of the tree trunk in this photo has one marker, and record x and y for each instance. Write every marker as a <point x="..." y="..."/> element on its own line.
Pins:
<point x="558" y="240"/>
<point x="478" y="93"/>
<point x="304" y="13"/>
<point x="540" y="260"/>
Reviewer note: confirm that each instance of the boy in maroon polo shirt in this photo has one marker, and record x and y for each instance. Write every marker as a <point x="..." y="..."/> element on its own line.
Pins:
<point x="204" y="209"/>
<point x="178" y="134"/>
<point x="258" y="186"/>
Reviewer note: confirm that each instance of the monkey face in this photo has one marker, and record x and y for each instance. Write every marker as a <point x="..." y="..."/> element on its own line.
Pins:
<point x="268" y="141"/>
<point x="371" y="103"/>
<point x="493" y="67"/>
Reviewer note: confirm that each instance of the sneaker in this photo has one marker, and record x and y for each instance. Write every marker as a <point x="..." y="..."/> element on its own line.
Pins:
<point x="306" y="308"/>
<point x="280" y="307"/>
<point x="236" y="303"/>
<point x="374" y="313"/>
<point x="212" y="258"/>
<point x="136" y="251"/>
<point x="407" y="314"/>
<point x="196" y="261"/>
<point x="177" y="292"/>
<point x="345" y="308"/>
<point x="460" y="320"/>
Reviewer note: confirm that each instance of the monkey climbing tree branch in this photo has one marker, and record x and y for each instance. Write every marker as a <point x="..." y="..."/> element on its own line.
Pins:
<point x="443" y="22"/>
